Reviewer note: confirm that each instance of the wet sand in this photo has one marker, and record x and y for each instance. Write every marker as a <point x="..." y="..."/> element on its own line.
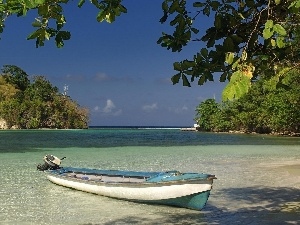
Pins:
<point x="272" y="202"/>
<point x="294" y="170"/>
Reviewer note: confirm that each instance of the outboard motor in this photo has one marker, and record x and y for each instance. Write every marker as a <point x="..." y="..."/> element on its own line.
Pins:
<point x="51" y="163"/>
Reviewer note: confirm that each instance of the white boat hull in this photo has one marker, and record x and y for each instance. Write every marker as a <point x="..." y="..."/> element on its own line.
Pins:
<point x="138" y="192"/>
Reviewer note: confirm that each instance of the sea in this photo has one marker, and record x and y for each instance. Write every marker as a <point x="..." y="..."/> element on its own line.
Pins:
<point x="258" y="176"/>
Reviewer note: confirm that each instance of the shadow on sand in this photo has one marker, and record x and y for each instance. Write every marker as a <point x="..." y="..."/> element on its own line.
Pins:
<point x="250" y="205"/>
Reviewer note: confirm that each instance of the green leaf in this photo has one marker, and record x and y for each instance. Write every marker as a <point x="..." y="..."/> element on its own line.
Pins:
<point x="34" y="34"/>
<point x="279" y="29"/>
<point x="209" y="76"/>
<point x="29" y="4"/>
<point x="206" y="10"/>
<point x="273" y="42"/>
<point x="46" y="35"/>
<point x="215" y="5"/>
<point x="204" y="52"/>
<point x="277" y="2"/>
<point x="43" y="10"/>
<point x="59" y="43"/>
<point x="264" y="57"/>
<point x="60" y="37"/>
<point x="81" y="2"/>
<point x="36" y="24"/>
<point x="110" y="17"/>
<point x="178" y="19"/>
<point x="165" y="6"/>
<point x="235" y="64"/>
<point x="24" y="11"/>
<point x="237" y="87"/>
<point x="164" y="18"/>
<point x="269" y="24"/>
<point x="280" y="42"/>
<point x="201" y="80"/>
<point x="174" y="7"/>
<point x="218" y="21"/>
<point x="267" y="33"/>
<point x="295" y="4"/>
<point x="190" y="72"/>
<point x="195" y="31"/>
<point x="236" y="76"/>
<point x="122" y="9"/>
<point x="187" y="64"/>
<point x="228" y="93"/>
<point x="236" y="39"/>
<point x="117" y="11"/>
<point x="229" y="58"/>
<point x="65" y="35"/>
<point x="101" y="16"/>
<point x="185" y="81"/>
<point x="177" y="66"/>
<point x="223" y="77"/>
<point x="39" y="2"/>
<point x="228" y="45"/>
<point x="198" y="4"/>
<point x="250" y="3"/>
<point x="175" y="79"/>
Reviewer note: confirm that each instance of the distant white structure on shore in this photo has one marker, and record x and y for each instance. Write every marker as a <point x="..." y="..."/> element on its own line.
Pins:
<point x="191" y="128"/>
<point x="66" y="88"/>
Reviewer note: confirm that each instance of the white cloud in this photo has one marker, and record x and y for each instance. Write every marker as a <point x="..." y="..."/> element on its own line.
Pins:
<point x="96" y="108"/>
<point x="184" y="108"/>
<point x="109" y="109"/>
<point x="179" y="110"/>
<point x="70" y="77"/>
<point x="101" y="77"/>
<point x="110" y="106"/>
<point x="149" y="108"/>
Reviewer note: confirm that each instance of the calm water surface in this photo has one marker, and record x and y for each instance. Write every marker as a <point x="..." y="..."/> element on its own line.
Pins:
<point x="258" y="176"/>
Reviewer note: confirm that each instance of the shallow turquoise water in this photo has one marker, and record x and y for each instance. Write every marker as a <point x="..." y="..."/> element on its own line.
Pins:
<point x="34" y="140"/>
<point x="251" y="186"/>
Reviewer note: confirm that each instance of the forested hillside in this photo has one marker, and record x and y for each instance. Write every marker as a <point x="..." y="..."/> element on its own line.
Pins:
<point x="26" y="104"/>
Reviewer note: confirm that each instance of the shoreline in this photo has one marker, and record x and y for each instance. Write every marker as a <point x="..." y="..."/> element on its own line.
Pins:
<point x="282" y="134"/>
<point x="3" y="126"/>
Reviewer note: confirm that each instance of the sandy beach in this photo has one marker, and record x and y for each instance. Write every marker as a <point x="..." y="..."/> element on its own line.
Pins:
<point x="275" y="201"/>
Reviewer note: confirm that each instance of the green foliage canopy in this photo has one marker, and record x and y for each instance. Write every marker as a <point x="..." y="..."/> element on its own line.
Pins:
<point x="15" y="76"/>
<point x="51" y="12"/>
<point x="6" y="90"/>
<point x="248" y="38"/>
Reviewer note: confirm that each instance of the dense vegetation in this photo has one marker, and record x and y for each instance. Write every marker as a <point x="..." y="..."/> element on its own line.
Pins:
<point x="243" y="39"/>
<point x="268" y="107"/>
<point x="37" y="104"/>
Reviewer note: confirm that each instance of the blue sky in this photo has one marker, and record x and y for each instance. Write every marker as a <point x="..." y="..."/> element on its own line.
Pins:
<point x="117" y="70"/>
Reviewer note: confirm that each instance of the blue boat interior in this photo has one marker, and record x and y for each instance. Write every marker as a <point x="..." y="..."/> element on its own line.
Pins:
<point x="147" y="176"/>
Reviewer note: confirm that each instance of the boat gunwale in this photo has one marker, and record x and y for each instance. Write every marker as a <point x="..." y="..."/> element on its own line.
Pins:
<point x="208" y="180"/>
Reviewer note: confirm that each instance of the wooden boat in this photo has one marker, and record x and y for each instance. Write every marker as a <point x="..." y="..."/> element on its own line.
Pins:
<point x="188" y="190"/>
